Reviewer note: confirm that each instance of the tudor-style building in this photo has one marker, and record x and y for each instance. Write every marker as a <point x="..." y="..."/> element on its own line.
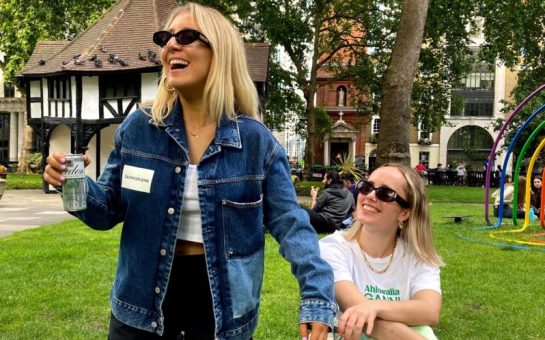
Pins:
<point x="78" y="92"/>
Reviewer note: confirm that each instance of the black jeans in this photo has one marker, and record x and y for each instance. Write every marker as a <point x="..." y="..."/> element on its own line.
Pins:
<point x="187" y="307"/>
<point x="508" y="212"/>
<point x="320" y="224"/>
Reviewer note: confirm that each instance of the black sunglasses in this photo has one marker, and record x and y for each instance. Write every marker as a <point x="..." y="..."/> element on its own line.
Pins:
<point x="183" y="37"/>
<point x="384" y="194"/>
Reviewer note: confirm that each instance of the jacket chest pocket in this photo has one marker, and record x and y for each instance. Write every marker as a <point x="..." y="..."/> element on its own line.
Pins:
<point x="242" y="227"/>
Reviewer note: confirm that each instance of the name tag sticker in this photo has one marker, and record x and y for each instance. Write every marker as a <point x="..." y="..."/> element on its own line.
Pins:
<point x="138" y="179"/>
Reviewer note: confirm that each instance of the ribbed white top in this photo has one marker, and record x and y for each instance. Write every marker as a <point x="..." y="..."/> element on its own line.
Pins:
<point x="190" y="228"/>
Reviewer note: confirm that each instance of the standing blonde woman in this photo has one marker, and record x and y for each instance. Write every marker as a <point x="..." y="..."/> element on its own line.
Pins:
<point x="194" y="185"/>
<point x="386" y="269"/>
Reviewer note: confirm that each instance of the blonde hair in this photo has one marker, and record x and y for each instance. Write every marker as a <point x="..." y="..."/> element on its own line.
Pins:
<point x="229" y="87"/>
<point x="416" y="229"/>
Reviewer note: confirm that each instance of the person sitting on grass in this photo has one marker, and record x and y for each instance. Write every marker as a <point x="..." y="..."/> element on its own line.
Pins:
<point x="536" y="195"/>
<point x="508" y="191"/>
<point x="329" y="209"/>
<point x="349" y="182"/>
<point x="386" y="269"/>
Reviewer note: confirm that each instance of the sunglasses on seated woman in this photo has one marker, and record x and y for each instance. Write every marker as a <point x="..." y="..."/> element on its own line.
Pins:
<point x="384" y="194"/>
<point x="183" y="37"/>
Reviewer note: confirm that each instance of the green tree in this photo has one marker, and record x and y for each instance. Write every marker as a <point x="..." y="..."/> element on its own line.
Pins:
<point x="514" y="36"/>
<point x="25" y="22"/>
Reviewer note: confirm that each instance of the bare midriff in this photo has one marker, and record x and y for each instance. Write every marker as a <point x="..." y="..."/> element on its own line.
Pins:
<point x="184" y="247"/>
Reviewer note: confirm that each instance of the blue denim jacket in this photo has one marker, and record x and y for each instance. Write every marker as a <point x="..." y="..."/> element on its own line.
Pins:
<point x="244" y="184"/>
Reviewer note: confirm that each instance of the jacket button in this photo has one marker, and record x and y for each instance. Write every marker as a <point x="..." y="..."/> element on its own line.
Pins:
<point x="154" y="324"/>
<point x="163" y="252"/>
<point x="157" y="290"/>
<point x="171" y="211"/>
<point x="178" y="169"/>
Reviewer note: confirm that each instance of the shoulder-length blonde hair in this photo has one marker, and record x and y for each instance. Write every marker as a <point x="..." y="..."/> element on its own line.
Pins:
<point x="229" y="87"/>
<point x="416" y="229"/>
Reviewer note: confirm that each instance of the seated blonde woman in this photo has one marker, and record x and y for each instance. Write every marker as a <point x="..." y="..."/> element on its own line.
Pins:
<point x="387" y="281"/>
<point x="508" y="193"/>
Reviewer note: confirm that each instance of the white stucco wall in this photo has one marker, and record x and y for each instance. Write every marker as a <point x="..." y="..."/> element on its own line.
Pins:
<point x="106" y="146"/>
<point x="433" y="149"/>
<point x="149" y="86"/>
<point x="89" y="104"/>
<point x="35" y="108"/>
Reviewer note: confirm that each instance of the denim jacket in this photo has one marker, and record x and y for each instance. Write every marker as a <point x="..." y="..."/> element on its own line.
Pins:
<point x="244" y="184"/>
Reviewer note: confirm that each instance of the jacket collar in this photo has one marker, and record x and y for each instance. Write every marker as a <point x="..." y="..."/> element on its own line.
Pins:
<point x="227" y="133"/>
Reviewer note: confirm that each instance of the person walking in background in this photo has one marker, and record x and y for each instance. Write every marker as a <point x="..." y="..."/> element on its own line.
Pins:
<point x="387" y="271"/>
<point x="329" y="209"/>
<point x="461" y="173"/>
<point x="194" y="181"/>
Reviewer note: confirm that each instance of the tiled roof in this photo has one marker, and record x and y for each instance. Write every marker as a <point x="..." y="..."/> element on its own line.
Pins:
<point x="121" y="40"/>
<point x="123" y="32"/>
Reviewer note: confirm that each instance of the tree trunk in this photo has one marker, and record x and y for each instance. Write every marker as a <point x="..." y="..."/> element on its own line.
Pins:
<point x="310" y="92"/>
<point x="395" y="110"/>
<point x="22" y="166"/>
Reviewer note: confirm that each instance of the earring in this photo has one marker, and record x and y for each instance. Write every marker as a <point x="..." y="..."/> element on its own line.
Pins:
<point x="400" y="225"/>
<point x="164" y="85"/>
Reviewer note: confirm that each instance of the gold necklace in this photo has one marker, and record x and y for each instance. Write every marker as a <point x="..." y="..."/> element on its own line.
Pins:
<point x="387" y="265"/>
<point x="196" y="135"/>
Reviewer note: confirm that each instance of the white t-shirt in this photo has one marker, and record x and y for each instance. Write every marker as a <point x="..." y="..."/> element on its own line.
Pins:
<point x="190" y="227"/>
<point x="406" y="275"/>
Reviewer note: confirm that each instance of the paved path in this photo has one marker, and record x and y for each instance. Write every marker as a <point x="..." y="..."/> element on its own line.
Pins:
<point x="24" y="209"/>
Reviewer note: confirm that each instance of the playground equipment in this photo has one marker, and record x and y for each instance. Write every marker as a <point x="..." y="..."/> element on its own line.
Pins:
<point x="532" y="240"/>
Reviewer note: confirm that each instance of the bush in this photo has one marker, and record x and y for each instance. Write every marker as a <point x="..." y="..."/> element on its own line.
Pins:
<point x="35" y="161"/>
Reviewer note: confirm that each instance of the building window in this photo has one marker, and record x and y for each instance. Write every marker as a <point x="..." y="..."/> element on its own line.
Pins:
<point x="375" y="125"/>
<point x="59" y="88"/>
<point x="4" y="138"/>
<point x="424" y="158"/>
<point x="469" y="144"/>
<point x="9" y="90"/>
<point x="116" y="87"/>
<point x="119" y="93"/>
<point x="474" y="97"/>
<point x="59" y="96"/>
<point x="424" y="137"/>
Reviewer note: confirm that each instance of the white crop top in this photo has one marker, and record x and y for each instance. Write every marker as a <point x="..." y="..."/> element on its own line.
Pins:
<point x="190" y="228"/>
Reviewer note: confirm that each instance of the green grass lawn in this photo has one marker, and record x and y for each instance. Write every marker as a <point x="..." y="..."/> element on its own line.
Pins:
<point x="20" y="181"/>
<point x="56" y="280"/>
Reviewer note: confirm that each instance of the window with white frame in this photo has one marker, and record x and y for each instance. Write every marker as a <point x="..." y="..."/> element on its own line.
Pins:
<point x="424" y="158"/>
<point x="424" y="137"/>
<point x="375" y="125"/>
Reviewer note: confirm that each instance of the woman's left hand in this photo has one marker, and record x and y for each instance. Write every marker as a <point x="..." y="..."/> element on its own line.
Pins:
<point x="319" y="331"/>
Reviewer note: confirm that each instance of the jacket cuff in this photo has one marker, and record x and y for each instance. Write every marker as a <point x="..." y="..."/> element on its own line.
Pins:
<point x="314" y="310"/>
